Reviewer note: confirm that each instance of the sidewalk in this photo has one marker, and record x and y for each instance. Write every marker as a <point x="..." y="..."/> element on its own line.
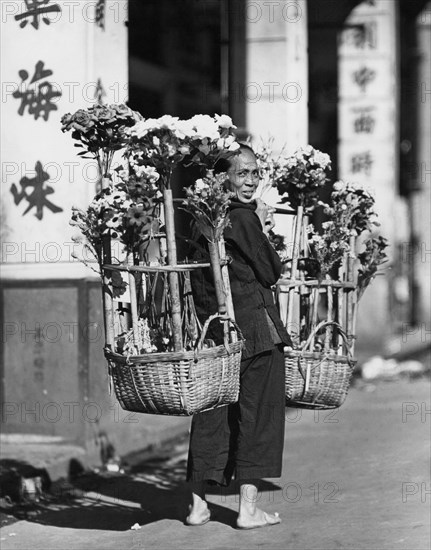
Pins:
<point x="354" y="478"/>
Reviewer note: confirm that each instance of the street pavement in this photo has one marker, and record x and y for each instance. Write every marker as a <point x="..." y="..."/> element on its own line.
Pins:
<point x="354" y="478"/>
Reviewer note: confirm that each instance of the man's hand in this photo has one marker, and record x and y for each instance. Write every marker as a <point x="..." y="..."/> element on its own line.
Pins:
<point x="265" y="214"/>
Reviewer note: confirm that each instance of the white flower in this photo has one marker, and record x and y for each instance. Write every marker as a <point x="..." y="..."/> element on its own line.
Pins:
<point x="327" y="225"/>
<point x="308" y="150"/>
<point x="321" y="159"/>
<point x="339" y="186"/>
<point x="123" y="174"/>
<point x="234" y="146"/>
<point x="150" y="173"/>
<point x="205" y="127"/>
<point x="200" y="185"/>
<point x="156" y="141"/>
<point x="114" y="222"/>
<point x="224" y="121"/>
<point x="184" y="149"/>
<point x="229" y="140"/>
<point x="291" y="162"/>
<point x="171" y="150"/>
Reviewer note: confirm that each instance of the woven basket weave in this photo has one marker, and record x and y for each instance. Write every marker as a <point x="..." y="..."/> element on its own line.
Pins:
<point x="178" y="383"/>
<point x="317" y="380"/>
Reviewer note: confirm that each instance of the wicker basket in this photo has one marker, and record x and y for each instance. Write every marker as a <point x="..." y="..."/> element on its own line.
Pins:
<point x="179" y="383"/>
<point x="318" y="380"/>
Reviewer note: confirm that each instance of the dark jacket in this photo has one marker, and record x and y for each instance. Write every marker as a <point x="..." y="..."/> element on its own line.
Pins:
<point x="254" y="269"/>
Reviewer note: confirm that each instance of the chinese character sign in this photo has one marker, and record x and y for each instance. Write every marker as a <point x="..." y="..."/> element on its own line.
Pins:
<point x="36" y="11"/>
<point x="37" y="99"/>
<point x="34" y="192"/>
<point x="56" y="56"/>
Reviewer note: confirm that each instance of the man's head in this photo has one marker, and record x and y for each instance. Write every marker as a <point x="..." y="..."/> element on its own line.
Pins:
<point x="243" y="174"/>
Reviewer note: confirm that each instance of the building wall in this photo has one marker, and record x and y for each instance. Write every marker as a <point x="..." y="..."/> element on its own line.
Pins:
<point x="54" y="376"/>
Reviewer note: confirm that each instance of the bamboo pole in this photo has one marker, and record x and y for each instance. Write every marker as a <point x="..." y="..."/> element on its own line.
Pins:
<point x="226" y="281"/>
<point x="107" y="292"/>
<point x="174" y="286"/>
<point x="108" y="304"/>
<point x="350" y="276"/>
<point x="295" y="256"/>
<point x="315" y="308"/>
<point x="340" y="307"/>
<point x="329" y="316"/>
<point x="218" y="283"/>
<point x="134" y="305"/>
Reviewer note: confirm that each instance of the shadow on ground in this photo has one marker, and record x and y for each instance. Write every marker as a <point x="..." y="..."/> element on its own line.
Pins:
<point x="149" y="491"/>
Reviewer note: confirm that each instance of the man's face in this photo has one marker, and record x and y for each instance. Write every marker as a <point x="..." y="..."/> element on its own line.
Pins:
<point x="244" y="176"/>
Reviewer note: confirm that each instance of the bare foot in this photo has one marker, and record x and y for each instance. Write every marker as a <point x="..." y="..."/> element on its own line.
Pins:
<point x="258" y="519"/>
<point x="199" y="514"/>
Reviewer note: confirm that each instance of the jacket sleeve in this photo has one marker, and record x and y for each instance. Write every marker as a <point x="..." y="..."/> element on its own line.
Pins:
<point x="246" y="236"/>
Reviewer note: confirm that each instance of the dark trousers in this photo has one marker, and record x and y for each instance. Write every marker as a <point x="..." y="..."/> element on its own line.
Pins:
<point x="244" y="439"/>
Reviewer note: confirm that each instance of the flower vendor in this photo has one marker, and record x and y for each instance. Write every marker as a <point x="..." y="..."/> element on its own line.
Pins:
<point x="244" y="439"/>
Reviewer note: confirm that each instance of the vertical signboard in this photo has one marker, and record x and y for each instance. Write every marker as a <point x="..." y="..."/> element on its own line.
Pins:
<point x="368" y="130"/>
<point x="56" y="57"/>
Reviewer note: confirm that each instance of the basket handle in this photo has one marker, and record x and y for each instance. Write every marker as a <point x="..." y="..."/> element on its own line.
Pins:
<point x="324" y="324"/>
<point x="200" y="342"/>
<point x="318" y="327"/>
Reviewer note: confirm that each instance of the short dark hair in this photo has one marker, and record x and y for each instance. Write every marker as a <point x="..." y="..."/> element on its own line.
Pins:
<point x="223" y="165"/>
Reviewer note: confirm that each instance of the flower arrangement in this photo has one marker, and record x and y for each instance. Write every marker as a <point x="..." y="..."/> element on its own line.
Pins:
<point x="168" y="141"/>
<point x="349" y="213"/>
<point x="352" y="207"/>
<point x="208" y="202"/>
<point x="129" y="210"/>
<point x="299" y="177"/>
<point x="370" y="260"/>
<point x="101" y="130"/>
<point x="126" y="211"/>
<point x="329" y="247"/>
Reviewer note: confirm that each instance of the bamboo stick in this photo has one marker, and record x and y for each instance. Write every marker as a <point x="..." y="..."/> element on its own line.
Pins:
<point x="218" y="283"/>
<point x="295" y="256"/>
<point x="349" y="299"/>
<point x="108" y="305"/>
<point x="226" y="280"/>
<point x="304" y="236"/>
<point x="107" y="293"/>
<point x="340" y="308"/>
<point x="134" y="305"/>
<point x="329" y="317"/>
<point x="315" y="301"/>
<point x="173" y="276"/>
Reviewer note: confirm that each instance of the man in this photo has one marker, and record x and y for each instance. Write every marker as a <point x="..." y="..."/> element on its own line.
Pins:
<point x="244" y="439"/>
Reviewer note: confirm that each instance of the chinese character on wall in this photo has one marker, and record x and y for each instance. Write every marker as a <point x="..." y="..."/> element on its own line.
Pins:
<point x="362" y="163"/>
<point x="34" y="192"/>
<point x="100" y="13"/>
<point x="37" y="9"/>
<point x="37" y="99"/>
<point x="360" y="36"/>
<point x="363" y="77"/>
<point x="364" y="123"/>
